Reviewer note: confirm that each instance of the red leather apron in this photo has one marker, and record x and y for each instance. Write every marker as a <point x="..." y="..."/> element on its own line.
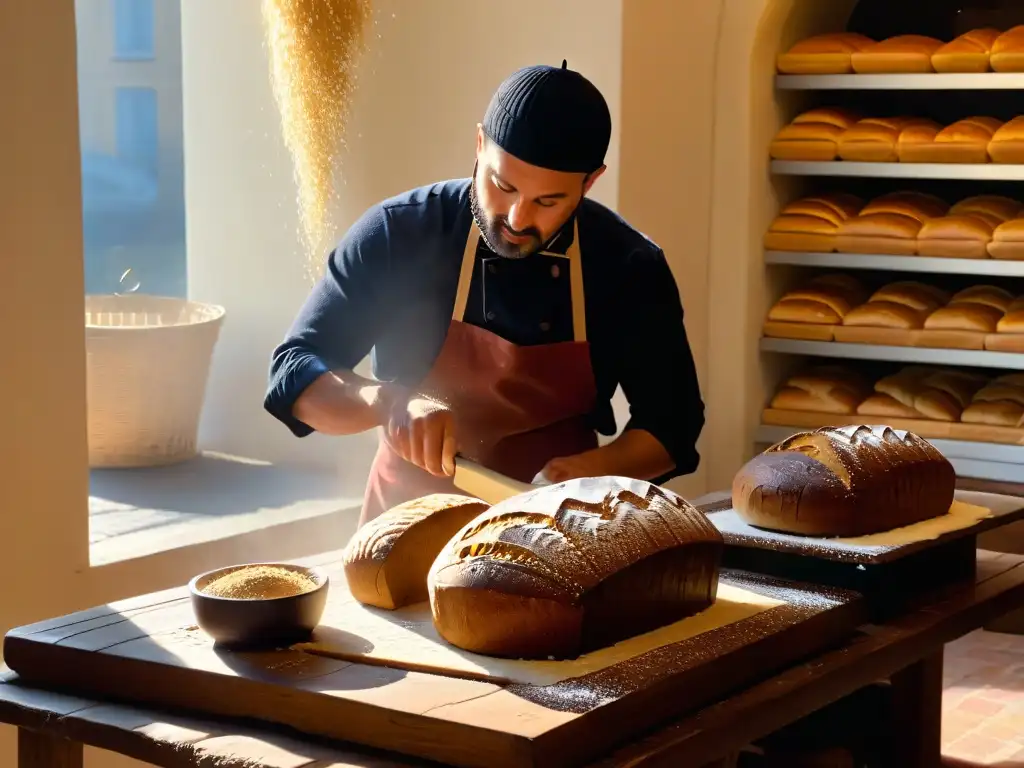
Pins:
<point x="515" y="408"/>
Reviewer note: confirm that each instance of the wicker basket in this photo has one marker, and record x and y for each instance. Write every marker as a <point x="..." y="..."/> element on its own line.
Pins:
<point x="147" y="364"/>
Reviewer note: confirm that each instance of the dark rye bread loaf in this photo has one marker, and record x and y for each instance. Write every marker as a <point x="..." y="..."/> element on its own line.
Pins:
<point x="387" y="559"/>
<point x="572" y="567"/>
<point x="844" y="481"/>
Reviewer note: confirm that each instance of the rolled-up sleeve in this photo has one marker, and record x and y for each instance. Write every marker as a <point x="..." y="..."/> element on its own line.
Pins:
<point x="656" y="367"/>
<point x="340" y="320"/>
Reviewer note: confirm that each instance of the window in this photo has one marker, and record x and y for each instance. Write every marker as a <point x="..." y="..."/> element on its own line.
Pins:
<point x="134" y="29"/>
<point x="136" y="130"/>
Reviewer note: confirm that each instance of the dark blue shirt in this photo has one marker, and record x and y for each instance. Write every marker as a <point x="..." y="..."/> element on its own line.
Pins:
<point x="390" y="287"/>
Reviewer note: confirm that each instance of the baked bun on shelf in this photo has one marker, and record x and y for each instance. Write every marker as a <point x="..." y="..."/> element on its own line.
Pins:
<point x="897" y="55"/>
<point x="1007" y="144"/>
<point x="965" y="141"/>
<point x="921" y="393"/>
<point x="1008" y="241"/>
<point x="827" y="54"/>
<point x="968" y="229"/>
<point x="970" y="52"/>
<point x="977" y="309"/>
<point x="1008" y="51"/>
<point x="813" y="135"/>
<point x="844" y="481"/>
<point x="824" y="300"/>
<point x="823" y="389"/>
<point x="810" y="224"/>
<point x="386" y="561"/>
<point x="999" y="404"/>
<point x="572" y="567"/>
<point x="877" y="139"/>
<point x="902" y="305"/>
<point x="889" y="224"/>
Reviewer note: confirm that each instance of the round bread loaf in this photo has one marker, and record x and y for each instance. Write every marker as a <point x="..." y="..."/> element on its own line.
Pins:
<point x="844" y="481"/>
<point x="573" y="567"/>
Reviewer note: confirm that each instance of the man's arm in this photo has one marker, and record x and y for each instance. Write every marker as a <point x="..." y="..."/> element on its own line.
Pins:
<point x="658" y="377"/>
<point x="312" y="386"/>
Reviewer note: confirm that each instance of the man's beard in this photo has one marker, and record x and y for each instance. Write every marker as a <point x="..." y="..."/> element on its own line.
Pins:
<point x="491" y="230"/>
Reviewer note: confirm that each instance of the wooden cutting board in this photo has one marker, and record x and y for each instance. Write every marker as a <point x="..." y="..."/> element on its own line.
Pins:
<point x="406" y="639"/>
<point x="148" y="650"/>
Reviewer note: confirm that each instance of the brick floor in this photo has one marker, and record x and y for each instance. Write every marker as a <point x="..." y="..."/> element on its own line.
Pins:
<point x="983" y="701"/>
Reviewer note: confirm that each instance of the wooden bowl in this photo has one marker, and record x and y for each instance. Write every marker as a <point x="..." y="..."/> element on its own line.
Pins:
<point x="259" y="619"/>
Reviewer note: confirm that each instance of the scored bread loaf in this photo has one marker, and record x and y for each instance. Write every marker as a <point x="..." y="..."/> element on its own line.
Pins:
<point x="1008" y="51"/>
<point x="572" y="567"/>
<point x="876" y="139"/>
<point x="810" y="224"/>
<point x="922" y="393"/>
<point x="965" y="141"/>
<point x="999" y="404"/>
<point x="822" y="389"/>
<point x="823" y="300"/>
<point x="970" y="52"/>
<point x="827" y="54"/>
<point x="889" y="224"/>
<point x="1007" y="144"/>
<point x="900" y="54"/>
<point x="902" y="305"/>
<point x="844" y="481"/>
<point x="387" y="559"/>
<point x="978" y="308"/>
<point x="813" y="135"/>
<point x="1008" y="241"/>
<point x="968" y="229"/>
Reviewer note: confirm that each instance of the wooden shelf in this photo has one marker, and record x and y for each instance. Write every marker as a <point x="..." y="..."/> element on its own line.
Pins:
<point x="954" y="171"/>
<point x="990" y="267"/>
<point x="984" y="81"/>
<point x="955" y="357"/>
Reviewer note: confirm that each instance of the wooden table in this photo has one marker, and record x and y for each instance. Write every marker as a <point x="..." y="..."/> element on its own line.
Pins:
<point x="908" y="651"/>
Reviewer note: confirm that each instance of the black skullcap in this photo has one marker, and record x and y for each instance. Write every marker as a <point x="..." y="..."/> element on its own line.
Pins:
<point x="550" y="117"/>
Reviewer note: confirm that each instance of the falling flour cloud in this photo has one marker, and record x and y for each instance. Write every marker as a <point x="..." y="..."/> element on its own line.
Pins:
<point x="314" y="46"/>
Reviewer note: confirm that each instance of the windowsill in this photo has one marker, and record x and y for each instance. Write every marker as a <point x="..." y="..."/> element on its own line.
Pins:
<point x="134" y="513"/>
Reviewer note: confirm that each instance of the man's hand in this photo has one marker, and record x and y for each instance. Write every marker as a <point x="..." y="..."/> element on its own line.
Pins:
<point x="634" y="453"/>
<point x="570" y="468"/>
<point x="421" y="431"/>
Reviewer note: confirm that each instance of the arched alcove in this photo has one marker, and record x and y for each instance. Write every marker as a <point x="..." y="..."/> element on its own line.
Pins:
<point x="748" y="111"/>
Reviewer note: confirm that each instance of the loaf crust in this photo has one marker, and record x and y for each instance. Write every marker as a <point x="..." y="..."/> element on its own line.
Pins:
<point x="989" y="295"/>
<point x="1000" y="404"/>
<point x="827" y="54"/>
<point x="1008" y="51"/>
<point x="965" y="316"/>
<point x="1011" y="322"/>
<point x="922" y="393"/>
<point x="810" y="224"/>
<point x="901" y="305"/>
<point x="991" y="206"/>
<point x="918" y="205"/>
<point x="824" y="389"/>
<point x="574" y="566"/>
<point x="1007" y="144"/>
<point x="824" y="300"/>
<point x="844" y="481"/>
<point x="965" y="141"/>
<point x="962" y="236"/>
<point x="900" y="54"/>
<point x="386" y="561"/>
<point x="813" y="135"/>
<point x="875" y="139"/>
<point x="1008" y="241"/>
<point x="970" y="52"/>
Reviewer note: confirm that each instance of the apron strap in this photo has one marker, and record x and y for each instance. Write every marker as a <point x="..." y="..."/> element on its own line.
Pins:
<point x="578" y="299"/>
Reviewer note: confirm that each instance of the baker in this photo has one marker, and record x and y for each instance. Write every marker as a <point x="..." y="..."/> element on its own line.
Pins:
<point x="502" y="312"/>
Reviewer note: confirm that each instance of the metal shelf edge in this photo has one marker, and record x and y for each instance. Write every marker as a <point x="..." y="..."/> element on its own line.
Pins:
<point x="951" y="171"/>
<point x="914" y="82"/>
<point x="957" y="357"/>
<point x="993" y="267"/>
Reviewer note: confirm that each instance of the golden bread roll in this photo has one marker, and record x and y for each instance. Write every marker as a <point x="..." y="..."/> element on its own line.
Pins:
<point x="825" y="389"/>
<point x="965" y="316"/>
<point x="964" y="236"/>
<point x="572" y="567"/>
<point x="901" y="306"/>
<point x="827" y="54"/>
<point x="386" y="561"/>
<point x="921" y="296"/>
<point x="844" y="481"/>
<point x="918" y="205"/>
<point x="1008" y="51"/>
<point x="970" y="52"/>
<point x="1000" y="404"/>
<point x="818" y="301"/>
<point x="875" y="139"/>
<point x="1008" y="241"/>
<point x="813" y="135"/>
<point x="810" y="224"/>
<point x="989" y="295"/>
<point x="900" y="54"/>
<point x="965" y="141"/>
<point x="889" y="233"/>
<point x="916" y="393"/>
<point x="1011" y="322"/>
<point x="992" y="206"/>
<point x="1007" y="144"/>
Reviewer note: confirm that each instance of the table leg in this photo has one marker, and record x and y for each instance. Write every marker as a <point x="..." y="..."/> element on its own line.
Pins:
<point x="40" y="750"/>
<point x="917" y="714"/>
